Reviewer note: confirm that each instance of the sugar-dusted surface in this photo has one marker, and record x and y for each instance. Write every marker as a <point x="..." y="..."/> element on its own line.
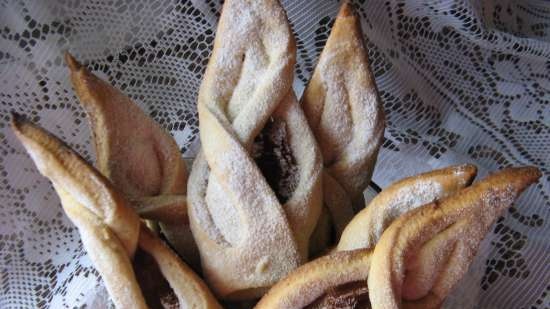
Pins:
<point x="424" y="253"/>
<point x="460" y="82"/>
<point x="343" y="108"/>
<point x="248" y="237"/>
<point x="409" y="193"/>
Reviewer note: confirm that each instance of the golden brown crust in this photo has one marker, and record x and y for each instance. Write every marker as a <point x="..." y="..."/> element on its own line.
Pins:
<point x="404" y="195"/>
<point x="312" y="280"/>
<point x="190" y="290"/>
<point x="345" y="113"/>
<point x="420" y="256"/>
<point x="424" y="253"/>
<point x="87" y="188"/>
<point x="248" y="239"/>
<point x="137" y="155"/>
<point x="109" y="228"/>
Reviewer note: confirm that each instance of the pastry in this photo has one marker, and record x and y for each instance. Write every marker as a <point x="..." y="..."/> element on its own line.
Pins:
<point x="137" y="156"/>
<point x="345" y="113"/>
<point x="138" y="269"/>
<point x="337" y="280"/>
<point x="404" y="195"/>
<point x="418" y="259"/>
<point x="424" y="253"/>
<point x="254" y="192"/>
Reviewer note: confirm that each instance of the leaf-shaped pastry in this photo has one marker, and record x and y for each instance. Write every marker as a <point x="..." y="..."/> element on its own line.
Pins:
<point x="137" y="155"/>
<point x="424" y="253"/>
<point x="255" y="188"/>
<point x="400" y="197"/>
<point x="345" y="113"/>
<point x="126" y="254"/>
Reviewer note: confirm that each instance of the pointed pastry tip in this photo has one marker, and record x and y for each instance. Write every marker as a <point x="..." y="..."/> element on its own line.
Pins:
<point x="346" y="10"/>
<point x="72" y="62"/>
<point x="17" y="121"/>
<point x="516" y="178"/>
<point x="24" y="129"/>
<point x="532" y="173"/>
<point x="16" y="117"/>
<point x="467" y="169"/>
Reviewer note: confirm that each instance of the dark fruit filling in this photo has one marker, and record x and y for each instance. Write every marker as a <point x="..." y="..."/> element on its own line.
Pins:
<point x="156" y="290"/>
<point x="353" y="295"/>
<point x="273" y="156"/>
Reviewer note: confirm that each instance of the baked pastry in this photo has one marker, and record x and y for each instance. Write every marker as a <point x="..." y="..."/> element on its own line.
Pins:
<point x="367" y="226"/>
<point x="138" y="269"/>
<point x="345" y="113"/>
<point x="450" y="230"/>
<point x="141" y="159"/>
<point x="416" y="262"/>
<point x="337" y="280"/>
<point x="255" y="188"/>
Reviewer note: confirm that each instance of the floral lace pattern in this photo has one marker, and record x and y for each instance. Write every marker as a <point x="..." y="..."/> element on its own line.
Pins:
<point x="461" y="81"/>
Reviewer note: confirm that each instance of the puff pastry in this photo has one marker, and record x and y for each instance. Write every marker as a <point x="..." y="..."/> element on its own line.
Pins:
<point x="416" y="262"/>
<point x="138" y="269"/>
<point x="137" y="156"/>
<point x="345" y="113"/>
<point x="402" y="196"/>
<point x="252" y="224"/>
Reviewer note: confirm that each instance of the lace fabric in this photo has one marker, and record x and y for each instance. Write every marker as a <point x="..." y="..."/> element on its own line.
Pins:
<point x="461" y="82"/>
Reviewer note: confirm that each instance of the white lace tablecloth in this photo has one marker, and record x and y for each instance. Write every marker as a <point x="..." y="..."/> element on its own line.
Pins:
<point x="461" y="81"/>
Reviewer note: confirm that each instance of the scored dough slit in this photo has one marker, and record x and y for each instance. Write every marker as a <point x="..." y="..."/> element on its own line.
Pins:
<point x="231" y="179"/>
<point x="440" y="251"/>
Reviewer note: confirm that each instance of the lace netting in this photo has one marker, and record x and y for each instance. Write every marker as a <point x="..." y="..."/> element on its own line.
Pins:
<point x="465" y="81"/>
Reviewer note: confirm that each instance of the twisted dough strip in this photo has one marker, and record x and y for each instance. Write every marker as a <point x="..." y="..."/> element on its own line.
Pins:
<point x="345" y="113"/>
<point x="139" y="158"/>
<point x="306" y="286"/>
<point x="440" y="238"/>
<point x="109" y="228"/>
<point x="424" y="253"/>
<point x="367" y="226"/>
<point x="246" y="238"/>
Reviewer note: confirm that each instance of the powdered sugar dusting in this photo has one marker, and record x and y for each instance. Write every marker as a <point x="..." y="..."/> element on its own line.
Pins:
<point x="405" y="199"/>
<point x="350" y="122"/>
<point x="495" y="202"/>
<point x="248" y="79"/>
<point x="223" y="212"/>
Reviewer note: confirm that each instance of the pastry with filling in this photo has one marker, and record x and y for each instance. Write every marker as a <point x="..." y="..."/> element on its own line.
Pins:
<point x="418" y="260"/>
<point x="345" y="113"/>
<point x="141" y="159"/>
<point x="254" y="192"/>
<point x="138" y="269"/>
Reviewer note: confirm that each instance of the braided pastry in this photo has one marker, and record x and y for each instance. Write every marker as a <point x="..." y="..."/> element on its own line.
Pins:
<point x="137" y="156"/>
<point x="404" y="195"/>
<point x="255" y="189"/>
<point x="416" y="262"/>
<point x="345" y="114"/>
<point x="138" y="269"/>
